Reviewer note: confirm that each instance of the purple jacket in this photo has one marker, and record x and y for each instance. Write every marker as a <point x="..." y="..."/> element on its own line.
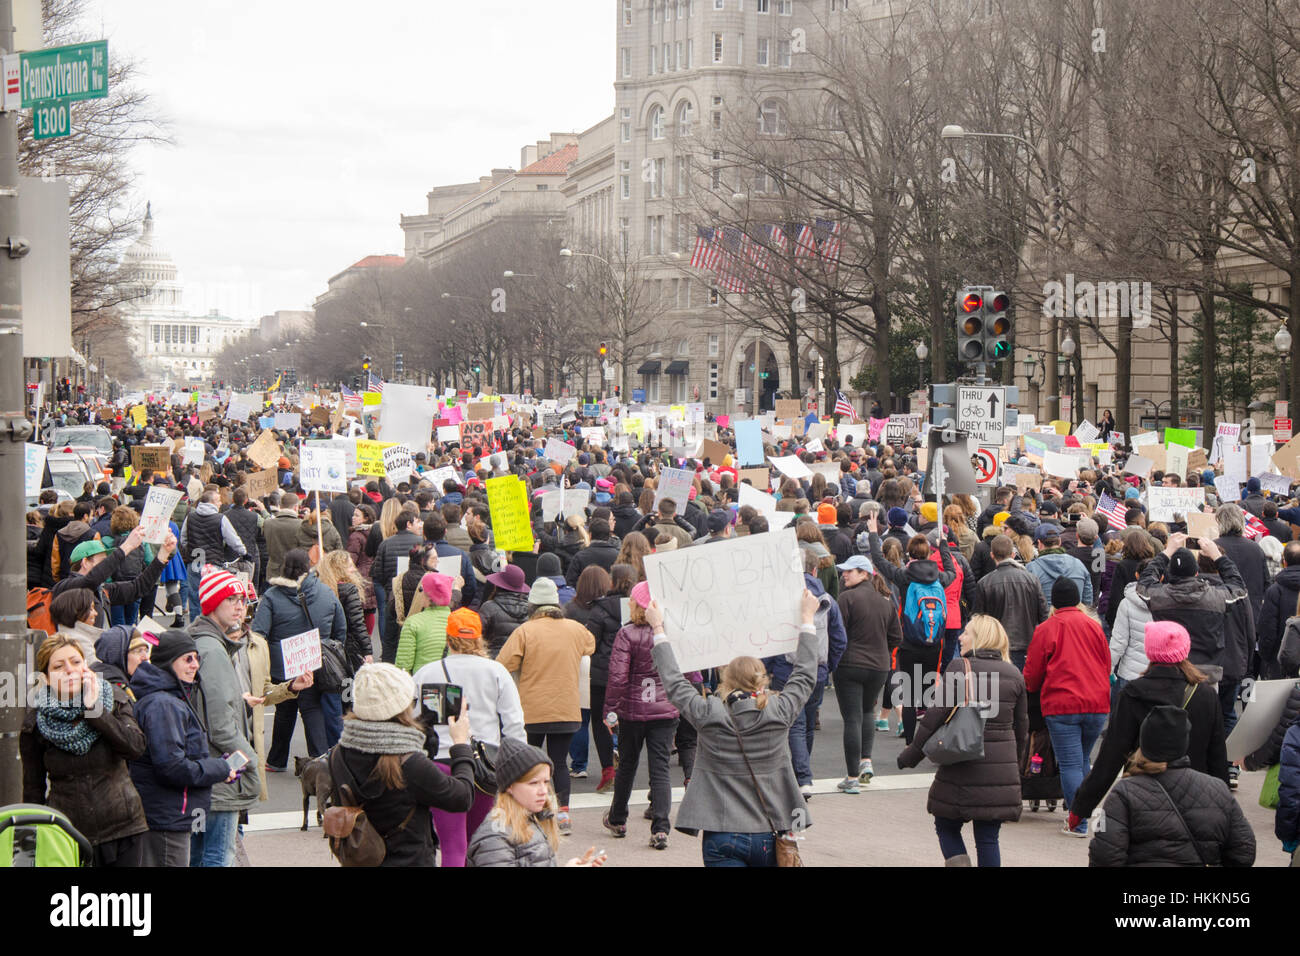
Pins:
<point x="634" y="691"/>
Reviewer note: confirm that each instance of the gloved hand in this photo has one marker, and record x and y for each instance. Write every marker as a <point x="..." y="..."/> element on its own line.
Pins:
<point x="1290" y="845"/>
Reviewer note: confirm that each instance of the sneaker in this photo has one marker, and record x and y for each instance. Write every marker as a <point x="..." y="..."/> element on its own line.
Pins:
<point x="565" y="824"/>
<point x="899" y="731"/>
<point x="277" y="769"/>
<point x="1233" y="773"/>
<point x="619" y="830"/>
<point x="807" y="791"/>
<point x="1082" y="831"/>
<point x="647" y="814"/>
<point x="659" y="841"/>
<point x="865" y="770"/>
<point x="848" y="785"/>
<point x="577" y="774"/>
<point x="882" y="725"/>
<point x="606" y="780"/>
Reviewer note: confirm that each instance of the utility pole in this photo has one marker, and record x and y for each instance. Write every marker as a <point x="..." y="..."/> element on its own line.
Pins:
<point x="16" y="431"/>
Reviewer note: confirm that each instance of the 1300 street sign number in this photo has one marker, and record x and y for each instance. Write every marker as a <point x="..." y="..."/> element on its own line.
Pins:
<point x="50" y="119"/>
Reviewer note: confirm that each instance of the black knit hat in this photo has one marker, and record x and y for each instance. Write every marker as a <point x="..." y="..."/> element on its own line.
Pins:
<point x="515" y="759"/>
<point x="1165" y="734"/>
<point x="1065" y="593"/>
<point x="1182" y="564"/>
<point x="172" y="645"/>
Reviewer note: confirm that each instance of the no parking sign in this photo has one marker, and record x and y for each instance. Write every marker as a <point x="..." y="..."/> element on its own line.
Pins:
<point x="985" y="462"/>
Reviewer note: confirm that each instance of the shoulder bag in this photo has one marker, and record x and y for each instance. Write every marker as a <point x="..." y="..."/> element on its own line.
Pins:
<point x="485" y="755"/>
<point x="353" y="839"/>
<point x="334" y="671"/>
<point x="961" y="736"/>
<point x="787" y="847"/>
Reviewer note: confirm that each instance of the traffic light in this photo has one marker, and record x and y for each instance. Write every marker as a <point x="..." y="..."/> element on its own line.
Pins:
<point x="1056" y="222"/>
<point x="618" y="391"/>
<point x="399" y="365"/>
<point x="970" y="325"/>
<point x="477" y="369"/>
<point x="997" y="326"/>
<point x="356" y="382"/>
<point x="604" y="349"/>
<point x="365" y="363"/>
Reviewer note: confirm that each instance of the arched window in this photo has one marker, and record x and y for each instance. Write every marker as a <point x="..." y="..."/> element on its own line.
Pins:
<point x="771" y="118"/>
<point x="685" y="118"/>
<point x="657" y="123"/>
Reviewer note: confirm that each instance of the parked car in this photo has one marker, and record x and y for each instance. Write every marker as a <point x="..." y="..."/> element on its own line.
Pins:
<point x="96" y="436"/>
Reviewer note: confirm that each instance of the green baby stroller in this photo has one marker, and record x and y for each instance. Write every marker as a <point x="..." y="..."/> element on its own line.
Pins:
<point x="33" y="835"/>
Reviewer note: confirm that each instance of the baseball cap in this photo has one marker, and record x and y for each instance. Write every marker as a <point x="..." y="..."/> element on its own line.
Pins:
<point x="857" y="563"/>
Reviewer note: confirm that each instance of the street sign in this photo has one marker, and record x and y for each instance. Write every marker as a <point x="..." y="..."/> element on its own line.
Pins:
<point x="1281" y="429"/>
<point x="63" y="73"/>
<point x="51" y="119"/>
<point x="985" y="463"/>
<point x="981" y="413"/>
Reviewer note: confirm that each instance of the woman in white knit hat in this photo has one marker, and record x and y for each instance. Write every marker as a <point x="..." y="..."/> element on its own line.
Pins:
<point x="383" y="757"/>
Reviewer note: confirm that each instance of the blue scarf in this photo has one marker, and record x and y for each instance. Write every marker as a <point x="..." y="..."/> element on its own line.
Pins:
<point x="63" y="723"/>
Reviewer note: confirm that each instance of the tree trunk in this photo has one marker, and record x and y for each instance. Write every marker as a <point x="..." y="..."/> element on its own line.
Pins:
<point x="1174" y="322"/>
<point x="1209" y="346"/>
<point x="831" y="359"/>
<point x="1293" y="326"/>
<point x="795" y="386"/>
<point x="1123" y="372"/>
<point x="938" y="327"/>
<point x="884" y="385"/>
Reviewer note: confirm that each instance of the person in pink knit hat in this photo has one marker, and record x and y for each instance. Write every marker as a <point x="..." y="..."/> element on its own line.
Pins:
<point x="1170" y="680"/>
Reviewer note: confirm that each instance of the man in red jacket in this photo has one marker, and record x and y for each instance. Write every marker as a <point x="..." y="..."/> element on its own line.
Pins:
<point x="1069" y="662"/>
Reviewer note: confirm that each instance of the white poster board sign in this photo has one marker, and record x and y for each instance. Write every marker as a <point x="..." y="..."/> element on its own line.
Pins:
<point x="322" y="469"/>
<point x="736" y="597"/>
<point x="194" y="452"/>
<point x="34" y="468"/>
<point x="1164" y="503"/>
<point x="439" y="476"/>
<point x="765" y="505"/>
<point x="301" y="653"/>
<point x="159" y="504"/>
<point x="791" y="466"/>
<point x="1258" y="720"/>
<point x="398" y="463"/>
<point x="674" y="483"/>
<point x="408" y="413"/>
<point x="1277" y="484"/>
<point x="560" y="451"/>
<point x="287" y="421"/>
<point x="571" y="501"/>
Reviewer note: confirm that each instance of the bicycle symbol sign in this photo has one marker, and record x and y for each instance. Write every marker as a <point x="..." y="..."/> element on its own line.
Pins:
<point x="981" y="413"/>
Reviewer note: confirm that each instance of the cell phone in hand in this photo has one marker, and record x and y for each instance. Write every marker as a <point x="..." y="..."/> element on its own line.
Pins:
<point x="441" y="701"/>
<point x="236" y="760"/>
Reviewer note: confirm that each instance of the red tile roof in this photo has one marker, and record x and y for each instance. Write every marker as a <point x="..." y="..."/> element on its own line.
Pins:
<point x="557" y="163"/>
<point x="378" y="262"/>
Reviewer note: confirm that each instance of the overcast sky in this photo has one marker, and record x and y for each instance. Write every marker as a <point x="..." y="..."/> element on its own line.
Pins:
<point x="304" y="129"/>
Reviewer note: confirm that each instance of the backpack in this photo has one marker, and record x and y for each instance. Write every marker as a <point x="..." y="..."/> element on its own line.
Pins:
<point x="353" y="839"/>
<point x="925" y="612"/>
<point x="38" y="610"/>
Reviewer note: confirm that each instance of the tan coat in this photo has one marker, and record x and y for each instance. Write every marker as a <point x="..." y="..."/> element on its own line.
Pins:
<point x="259" y="666"/>
<point x="548" y="654"/>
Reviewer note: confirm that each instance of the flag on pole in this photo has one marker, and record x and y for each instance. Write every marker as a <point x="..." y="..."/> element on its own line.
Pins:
<point x="276" y="386"/>
<point x="844" y="407"/>
<point x="805" y="244"/>
<point x="706" y="252"/>
<point x="828" y="235"/>
<point x="1113" y="510"/>
<point x="376" y="384"/>
<point x="729" y="272"/>
<point x="351" y="399"/>
<point x="1255" y="529"/>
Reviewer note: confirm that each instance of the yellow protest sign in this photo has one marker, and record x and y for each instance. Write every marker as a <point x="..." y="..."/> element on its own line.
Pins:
<point x="372" y="398"/>
<point x="678" y="412"/>
<point x="139" y="416"/>
<point x="1062" y="428"/>
<point x="635" y="427"/>
<point x="370" y="458"/>
<point x="508" y="504"/>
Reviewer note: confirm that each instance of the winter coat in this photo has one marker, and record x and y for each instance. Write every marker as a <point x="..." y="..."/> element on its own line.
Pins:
<point x="94" y="789"/>
<point x="117" y="592"/>
<point x="1270" y="752"/>
<point x="1126" y="572"/>
<point x="871" y="627"/>
<point x="1238" y="636"/>
<point x="423" y="638"/>
<point x="1143" y="828"/>
<point x="981" y="559"/>
<point x="959" y="592"/>
<point x="281" y="534"/>
<point x="483" y="558"/>
<point x="632" y="674"/>
<point x="470" y="589"/>
<point x="280" y="615"/>
<point x="1088" y="556"/>
<point x="227" y="721"/>
<point x="923" y="571"/>
<point x="501" y="615"/>
<point x="402" y="816"/>
<point x="602" y="553"/>
<point x="1128" y="656"/>
<point x="357" y="645"/>
<point x="175" y="774"/>
<point x="604" y="622"/>
<point x="625" y="519"/>
<point x="1163" y="684"/>
<point x="357" y="548"/>
<point x="1069" y="661"/>
<point x="1286" y="823"/>
<point x="110" y="652"/>
<point x="987" y="788"/>
<point x="328" y="533"/>
<point x="66" y="540"/>
<point x="259" y="670"/>
<point x="490" y="846"/>
<point x="1279" y="605"/>
<point x="1249" y="560"/>
<point x="548" y="654"/>
<point x="1013" y="595"/>
<point x="722" y="796"/>
<point x="1050" y="565"/>
<point x="1196" y="604"/>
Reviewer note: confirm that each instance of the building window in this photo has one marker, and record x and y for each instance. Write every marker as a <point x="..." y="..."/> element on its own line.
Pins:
<point x="763" y="6"/>
<point x="655" y="237"/>
<point x="783" y="53"/>
<point x="713" y="381"/>
<point x="740" y="50"/>
<point x="762" y="51"/>
<point x="656" y="187"/>
<point x="625" y="125"/>
<point x="718" y="4"/>
<point x="677" y="55"/>
<point x="667" y="56"/>
<point x="625" y="62"/>
<point x="684" y="347"/>
<point x="715" y="181"/>
<point x="679" y="389"/>
<point x="770" y="120"/>
<point x="681" y="9"/>
<point x="668" y="11"/>
<point x="625" y="179"/>
<point x="654" y="11"/>
<point x="652" y="388"/>
<point x="717" y="45"/>
<point x="690" y="53"/>
<point x="157" y="333"/>
<point x="683" y="174"/>
<point x="622" y="236"/>
<point x="715" y="120"/>
<point x="685" y="118"/>
<point x="657" y="123"/>
<point x="713" y="347"/>
<point x="785" y="7"/>
<point x="654" y="59"/>
<point x="627" y="13"/>
<point x="714" y="297"/>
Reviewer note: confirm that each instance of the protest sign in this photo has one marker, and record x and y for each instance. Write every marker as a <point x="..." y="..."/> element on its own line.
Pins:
<point x="1159" y="456"/>
<point x="1197" y="460"/>
<point x="560" y="451"/>
<point x="194" y="452"/>
<point x="155" y="458"/>
<point x="594" y="436"/>
<point x="1236" y="461"/>
<point x="674" y="483"/>
<point x="876" y="427"/>
<point x="749" y="442"/>
<point x="320" y="415"/>
<point x="758" y="476"/>
<point x="714" y="451"/>
<point x="1138" y="465"/>
<point x="900" y="426"/>
<point x="159" y="504"/>
<point x="737" y="597"/>
<point x="408" y="412"/>
<point x="856" y="433"/>
<point x="788" y="409"/>
<point x="239" y="409"/>
<point x="1140" y="439"/>
<point x="321" y="468"/>
<point x="1257" y="721"/>
<point x="765" y="505"/>
<point x="370" y="458"/>
<point x="287" y="421"/>
<point x="1228" y="433"/>
<point x="508" y="506"/>
<point x="1027" y="479"/>
<point x="1164" y="503"/>
<point x="830" y="470"/>
<point x="1286" y="458"/>
<point x="480" y="411"/>
<point x="1228" y="488"/>
<point x="438" y="476"/>
<point x="1176" y="459"/>
<point x="1277" y="484"/>
<point x="140" y="416"/>
<point x="1202" y="526"/>
<point x="1086" y="432"/>
<point x="477" y="432"/>
<point x="259" y="484"/>
<point x="1064" y="465"/>
<point x="569" y="501"/>
<point x="1180" y="436"/>
<point x="791" y="466"/>
<point x="448" y="434"/>
<point x="301" y="654"/>
<point x="265" y="452"/>
<point x="33" y="468"/>
<point x="397" y="463"/>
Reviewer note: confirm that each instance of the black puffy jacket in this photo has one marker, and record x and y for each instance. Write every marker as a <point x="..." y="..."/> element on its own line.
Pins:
<point x="604" y="622"/>
<point x="1279" y="606"/>
<point x="501" y="615"/>
<point x="1143" y="828"/>
<point x="357" y="644"/>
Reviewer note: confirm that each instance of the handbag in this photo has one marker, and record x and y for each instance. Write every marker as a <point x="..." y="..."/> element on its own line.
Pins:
<point x="334" y="671"/>
<point x="787" y="847"/>
<point x="1268" y="793"/>
<point x="353" y="839"/>
<point x="961" y="736"/>
<point x="485" y="756"/>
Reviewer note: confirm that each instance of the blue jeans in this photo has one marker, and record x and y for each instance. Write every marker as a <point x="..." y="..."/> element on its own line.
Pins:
<point x="1228" y="703"/>
<point x="739" y="849"/>
<point x="986" y="839"/>
<point x="192" y="592"/>
<point x="214" y="845"/>
<point x="801" y="735"/>
<point x="578" y="748"/>
<point x="1018" y="658"/>
<point x="1073" y="737"/>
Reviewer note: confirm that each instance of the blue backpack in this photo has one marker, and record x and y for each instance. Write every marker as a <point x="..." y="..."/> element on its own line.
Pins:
<point x="925" y="613"/>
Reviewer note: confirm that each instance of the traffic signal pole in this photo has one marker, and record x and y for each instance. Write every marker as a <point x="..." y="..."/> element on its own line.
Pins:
<point x="17" y="429"/>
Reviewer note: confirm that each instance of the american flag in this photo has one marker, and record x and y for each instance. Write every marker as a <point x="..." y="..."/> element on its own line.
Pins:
<point x="842" y="406"/>
<point x="1255" y="528"/>
<point x="730" y="277"/>
<point x="706" y="252"/>
<point x="759" y="257"/>
<point x="805" y="244"/>
<point x="376" y="384"/>
<point x="1113" y="510"/>
<point x="828" y="234"/>
<point x="351" y="399"/>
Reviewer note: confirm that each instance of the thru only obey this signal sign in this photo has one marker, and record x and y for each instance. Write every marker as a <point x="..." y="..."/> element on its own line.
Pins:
<point x="981" y="413"/>
<point x="985" y="463"/>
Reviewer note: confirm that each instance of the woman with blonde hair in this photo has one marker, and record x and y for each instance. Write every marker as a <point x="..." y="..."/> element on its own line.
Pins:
<point x="337" y="571"/>
<point x="521" y="830"/>
<point x="984" y="791"/>
<point x="955" y="518"/>
<point x="380" y="530"/>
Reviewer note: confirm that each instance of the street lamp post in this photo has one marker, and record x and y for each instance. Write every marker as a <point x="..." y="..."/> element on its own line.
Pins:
<point x="1282" y="342"/>
<point x="922" y="350"/>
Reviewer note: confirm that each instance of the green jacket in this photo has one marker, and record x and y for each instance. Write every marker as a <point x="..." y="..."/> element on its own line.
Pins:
<point x="228" y="721"/>
<point x="424" y="638"/>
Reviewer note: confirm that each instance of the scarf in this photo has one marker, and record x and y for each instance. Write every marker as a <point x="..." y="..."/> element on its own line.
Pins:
<point x="381" y="737"/>
<point x="62" y="723"/>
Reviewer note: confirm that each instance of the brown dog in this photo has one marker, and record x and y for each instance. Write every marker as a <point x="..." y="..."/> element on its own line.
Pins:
<point x="315" y="782"/>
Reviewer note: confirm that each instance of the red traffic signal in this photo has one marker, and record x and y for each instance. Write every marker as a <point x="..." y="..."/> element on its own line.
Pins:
<point x="972" y="302"/>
